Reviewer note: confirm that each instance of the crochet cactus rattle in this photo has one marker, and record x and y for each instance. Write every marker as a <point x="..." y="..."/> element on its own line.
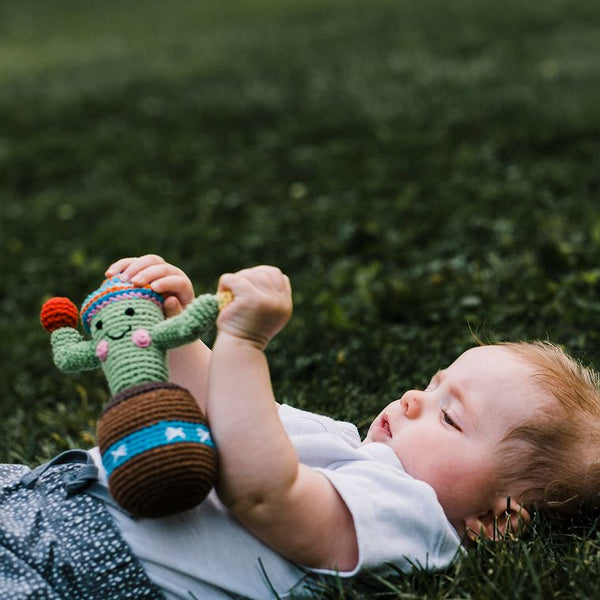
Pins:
<point x="154" y="441"/>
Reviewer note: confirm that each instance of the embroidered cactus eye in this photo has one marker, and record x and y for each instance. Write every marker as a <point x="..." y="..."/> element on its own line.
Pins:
<point x="99" y="325"/>
<point x="130" y="312"/>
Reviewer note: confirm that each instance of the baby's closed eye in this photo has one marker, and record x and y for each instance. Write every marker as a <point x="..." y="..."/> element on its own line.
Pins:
<point x="448" y="420"/>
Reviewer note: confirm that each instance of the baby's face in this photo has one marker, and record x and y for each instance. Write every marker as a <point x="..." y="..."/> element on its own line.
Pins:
<point x="449" y="434"/>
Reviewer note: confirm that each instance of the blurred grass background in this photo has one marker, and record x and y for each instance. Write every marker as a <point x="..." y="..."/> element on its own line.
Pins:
<point x="421" y="170"/>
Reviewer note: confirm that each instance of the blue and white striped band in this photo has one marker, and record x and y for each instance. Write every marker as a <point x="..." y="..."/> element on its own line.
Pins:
<point x="163" y="433"/>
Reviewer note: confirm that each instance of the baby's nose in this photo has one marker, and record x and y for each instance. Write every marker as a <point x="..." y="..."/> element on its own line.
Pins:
<point x="412" y="403"/>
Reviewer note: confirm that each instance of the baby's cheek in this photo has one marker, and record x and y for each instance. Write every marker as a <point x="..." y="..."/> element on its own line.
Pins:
<point x="141" y="338"/>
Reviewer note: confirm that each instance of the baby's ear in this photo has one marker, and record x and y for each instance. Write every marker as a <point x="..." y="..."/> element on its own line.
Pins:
<point x="505" y="517"/>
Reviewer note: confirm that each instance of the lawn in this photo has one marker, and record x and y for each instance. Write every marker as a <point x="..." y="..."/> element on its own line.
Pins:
<point x="425" y="173"/>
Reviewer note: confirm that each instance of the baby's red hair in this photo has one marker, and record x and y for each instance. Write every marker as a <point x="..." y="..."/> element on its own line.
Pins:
<point x="552" y="463"/>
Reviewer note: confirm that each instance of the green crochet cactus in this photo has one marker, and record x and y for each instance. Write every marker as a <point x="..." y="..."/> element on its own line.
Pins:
<point x="148" y="419"/>
<point x="130" y="335"/>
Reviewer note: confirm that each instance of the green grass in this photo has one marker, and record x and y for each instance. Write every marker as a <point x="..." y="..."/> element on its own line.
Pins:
<point x="420" y="170"/>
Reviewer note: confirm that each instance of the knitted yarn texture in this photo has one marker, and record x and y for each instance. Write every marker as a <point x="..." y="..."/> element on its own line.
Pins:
<point x="151" y="429"/>
<point x="154" y="441"/>
<point x="130" y="336"/>
<point x="111" y="290"/>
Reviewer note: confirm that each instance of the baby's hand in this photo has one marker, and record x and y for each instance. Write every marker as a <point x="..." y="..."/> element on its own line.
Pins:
<point x="163" y="278"/>
<point x="262" y="304"/>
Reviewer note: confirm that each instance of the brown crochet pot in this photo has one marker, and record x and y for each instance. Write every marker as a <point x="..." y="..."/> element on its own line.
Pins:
<point x="156" y="462"/>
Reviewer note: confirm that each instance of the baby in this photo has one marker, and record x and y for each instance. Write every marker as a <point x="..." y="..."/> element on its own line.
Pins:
<point x="503" y="430"/>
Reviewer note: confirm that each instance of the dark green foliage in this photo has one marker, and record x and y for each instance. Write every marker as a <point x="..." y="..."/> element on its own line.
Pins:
<point x="421" y="170"/>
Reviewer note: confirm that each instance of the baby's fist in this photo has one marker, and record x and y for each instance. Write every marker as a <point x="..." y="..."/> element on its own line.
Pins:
<point x="261" y="306"/>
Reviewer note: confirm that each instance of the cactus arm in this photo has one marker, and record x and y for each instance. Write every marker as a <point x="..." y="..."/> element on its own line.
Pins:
<point x="190" y="324"/>
<point x="71" y="352"/>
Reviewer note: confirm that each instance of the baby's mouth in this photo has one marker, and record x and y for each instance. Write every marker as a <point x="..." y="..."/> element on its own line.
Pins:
<point x="386" y="425"/>
<point x="121" y="336"/>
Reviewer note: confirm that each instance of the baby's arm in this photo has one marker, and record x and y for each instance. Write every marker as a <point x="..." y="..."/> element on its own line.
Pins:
<point x="188" y="365"/>
<point x="290" y="507"/>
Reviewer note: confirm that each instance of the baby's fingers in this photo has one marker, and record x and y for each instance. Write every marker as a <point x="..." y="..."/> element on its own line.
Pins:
<point x="153" y="270"/>
<point x="172" y="307"/>
<point x="145" y="263"/>
<point x="127" y="268"/>
<point x="226" y="281"/>
<point x="119" y="266"/>
<point x="177" y="285"/>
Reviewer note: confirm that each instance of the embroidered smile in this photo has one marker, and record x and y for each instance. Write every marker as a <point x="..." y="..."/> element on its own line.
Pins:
<point x="122" y="335"/>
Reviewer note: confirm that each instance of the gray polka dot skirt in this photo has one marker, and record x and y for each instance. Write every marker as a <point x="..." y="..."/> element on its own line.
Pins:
<point x="58" y="541"/>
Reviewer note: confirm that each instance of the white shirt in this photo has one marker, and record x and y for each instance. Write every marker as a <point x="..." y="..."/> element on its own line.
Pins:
<point x="398" y="522"/>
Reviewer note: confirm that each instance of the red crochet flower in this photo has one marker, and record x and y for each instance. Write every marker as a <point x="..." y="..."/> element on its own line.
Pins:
<point x="58" y="312"/>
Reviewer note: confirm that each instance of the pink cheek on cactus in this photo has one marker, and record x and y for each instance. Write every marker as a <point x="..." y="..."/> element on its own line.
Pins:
<point x="102" y="350"/>
<point x="141" y="338"/>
